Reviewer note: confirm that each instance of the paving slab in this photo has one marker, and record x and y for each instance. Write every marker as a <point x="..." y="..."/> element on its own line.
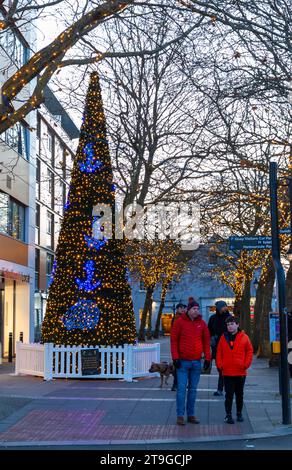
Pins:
<point x="79" y="412"/>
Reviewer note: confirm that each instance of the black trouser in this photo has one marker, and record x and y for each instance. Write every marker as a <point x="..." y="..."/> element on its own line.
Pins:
<point x="234" y="385"/>
<point x="220" y="382"/>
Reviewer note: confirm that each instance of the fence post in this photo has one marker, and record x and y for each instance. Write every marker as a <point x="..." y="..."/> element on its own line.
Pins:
<point x="17" y="357"/>
<point x="10" y="347"/>
<point x="157" y="352"/>
<point x="48" y="361"/>
<point x="128" y="362"/>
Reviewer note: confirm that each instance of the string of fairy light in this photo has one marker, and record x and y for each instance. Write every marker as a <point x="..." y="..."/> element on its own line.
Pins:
<point x="48" y="59"/>
<point x="89" y="296"/>
<point x="240" y="267"/>
<point x="153" y="260"/>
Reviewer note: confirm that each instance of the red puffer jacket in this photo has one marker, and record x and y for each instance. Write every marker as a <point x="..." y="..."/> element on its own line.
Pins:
<point x="189" y="339"/>
<point x="234" y="361"/>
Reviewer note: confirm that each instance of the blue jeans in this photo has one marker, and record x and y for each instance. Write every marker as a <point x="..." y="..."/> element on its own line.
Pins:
<point x="188" y="374"/>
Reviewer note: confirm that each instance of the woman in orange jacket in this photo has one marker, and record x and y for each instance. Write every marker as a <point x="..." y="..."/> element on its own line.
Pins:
<point x="233" y="358"/>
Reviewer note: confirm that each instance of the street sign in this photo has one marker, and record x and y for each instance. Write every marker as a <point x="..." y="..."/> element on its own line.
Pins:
<point x="274" y="324"/>
<point x="250" y="243"/>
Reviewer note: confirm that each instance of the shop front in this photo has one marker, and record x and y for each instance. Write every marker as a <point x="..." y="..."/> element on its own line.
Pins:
<point x="14" y="308"/>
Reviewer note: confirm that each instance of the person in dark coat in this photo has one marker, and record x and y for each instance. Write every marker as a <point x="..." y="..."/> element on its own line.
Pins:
<point x="217" y="326"/>
<point x="180" y="309"/>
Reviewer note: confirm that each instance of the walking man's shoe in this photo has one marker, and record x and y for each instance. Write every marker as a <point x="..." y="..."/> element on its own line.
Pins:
<point x="193" y="419"/>
<point x="240" y="418"/>
<point x="229" y="420"/>
<point x="218" y="393"/>
<point x="180" y="420"/>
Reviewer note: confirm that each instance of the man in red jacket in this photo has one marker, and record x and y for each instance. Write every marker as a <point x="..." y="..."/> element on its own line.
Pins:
<point x="233" y="358"/>
<point x="189" y="338"/>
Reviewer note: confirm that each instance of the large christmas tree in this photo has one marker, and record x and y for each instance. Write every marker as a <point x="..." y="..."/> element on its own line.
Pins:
<point x="89" y="297"/>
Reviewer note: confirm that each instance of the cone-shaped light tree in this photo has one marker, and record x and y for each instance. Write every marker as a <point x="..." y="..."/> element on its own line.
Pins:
<point x="89" y="298"/>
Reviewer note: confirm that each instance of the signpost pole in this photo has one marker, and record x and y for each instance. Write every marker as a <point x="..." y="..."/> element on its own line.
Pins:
<point x="280" y="274"/>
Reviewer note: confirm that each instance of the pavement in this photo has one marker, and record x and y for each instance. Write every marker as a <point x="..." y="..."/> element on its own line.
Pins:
<point x="76" y="413"/>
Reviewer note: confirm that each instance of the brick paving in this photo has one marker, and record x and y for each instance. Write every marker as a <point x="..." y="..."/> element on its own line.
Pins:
<point x="50" y="425"/>
<point x="111" y="411"/>
<point x="43" y="425"/>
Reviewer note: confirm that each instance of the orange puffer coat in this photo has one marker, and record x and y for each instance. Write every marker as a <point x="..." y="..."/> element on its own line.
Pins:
<point x="236" y="361"/>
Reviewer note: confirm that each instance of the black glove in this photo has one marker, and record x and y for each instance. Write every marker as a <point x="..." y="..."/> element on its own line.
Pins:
<point x="206" y="364"/>
<point x="177" y="363"/>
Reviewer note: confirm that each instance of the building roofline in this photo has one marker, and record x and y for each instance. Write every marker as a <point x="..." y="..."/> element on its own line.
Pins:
<point x="56" y="109"/>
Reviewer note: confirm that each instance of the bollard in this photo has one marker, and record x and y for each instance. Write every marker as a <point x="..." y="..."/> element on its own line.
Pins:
<point x="21" y="336"/>
<point x="10" y="347"/>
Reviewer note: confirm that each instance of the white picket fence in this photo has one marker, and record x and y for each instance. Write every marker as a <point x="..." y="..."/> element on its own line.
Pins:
<point x="52" y="361"/>
<point x="30" y="359"/>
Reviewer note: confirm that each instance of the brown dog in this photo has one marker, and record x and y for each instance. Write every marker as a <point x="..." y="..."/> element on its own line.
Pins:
<point x="164" y="369"/>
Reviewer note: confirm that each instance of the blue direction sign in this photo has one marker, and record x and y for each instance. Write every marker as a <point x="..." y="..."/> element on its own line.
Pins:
<point x="250" y="243"/>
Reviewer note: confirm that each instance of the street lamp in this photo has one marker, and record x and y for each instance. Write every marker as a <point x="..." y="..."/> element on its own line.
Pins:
<point x="289" y="252"/>
<point x="281" y="304"/>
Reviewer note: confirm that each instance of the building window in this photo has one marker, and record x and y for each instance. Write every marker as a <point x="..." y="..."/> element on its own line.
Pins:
<point x="67" y="164"/>
<point x="26" y="54"/>
<point x="50" y="222"/>
<point x="51" y="147"/>
<point x="50" y="230"/>
<point x="50" y="141"/>
<point x="38" y="171"/>
<point x="50" y="176"/>
<point x="37" y="269"/>
<point x="38" y="178"/>
<point x="17" y="138"/>
<point x="37" y="223"/>
<point x="12" y="217"/>
<point x="64" y="195"/>
<point x="39" y="126"/>
<point x="37" y="329"/>
<point x="63" y="162"/>
<point x="13" y="47"/>
<point x="49" y="267"/>
<point x="4" y="212"/>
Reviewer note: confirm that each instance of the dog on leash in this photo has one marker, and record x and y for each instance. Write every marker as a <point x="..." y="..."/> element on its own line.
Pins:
<point x="165" y="369"/>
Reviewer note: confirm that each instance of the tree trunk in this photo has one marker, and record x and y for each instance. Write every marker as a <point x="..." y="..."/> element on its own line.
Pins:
<point x="245" y="307"/>
<point x="161" y="306"/>
<point x="237" y="306"/>
<point x="265" y="346"/>
<point x="149" y="326"/>
<point x="289" y="288"/>
<point x="148" y="300"/>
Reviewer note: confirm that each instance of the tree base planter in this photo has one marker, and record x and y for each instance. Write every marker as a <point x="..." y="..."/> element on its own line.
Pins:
<point x="52" y="362"/>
